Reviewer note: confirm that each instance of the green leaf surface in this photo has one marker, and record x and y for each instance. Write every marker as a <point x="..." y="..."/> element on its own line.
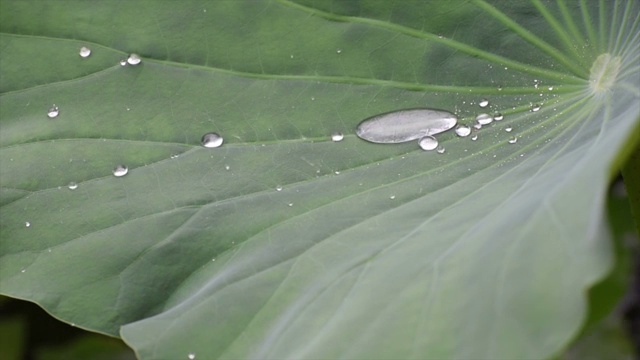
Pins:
<point x="369" y="250"/>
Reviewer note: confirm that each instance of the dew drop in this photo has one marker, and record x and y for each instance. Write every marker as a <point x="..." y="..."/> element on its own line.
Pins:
<point x="498" y="116"/>
<point x="72" y="186"/>
<point x="392" y="197"/>
<point x="428" y="143"/>
<point x="483" y="103"/>
<point x="191" y="356"/>
<point x="474" y="137"/>
<point x="134" y="59"/>
<point x="513" y="140"/>
<point x="120" y="170"/>
<point x="405" y="125"/>
<point x="53" y="111"/>
<point x="550" y="88"/>
<point x="279" y="188"/>
<point x="227" y="167"/>
<point x="290" y="204"/>
<point x="338" y="51"/>
<point x="477" y="126"/>
<point x="440" y="149"/>
<point x="535" y="107"/>
<point x="27" y="224"/>
<point x="85" y="51"/>
<point x="508" y="129"/>
<point x="463" y="130"/>
<point x="211" y="140"/>
<point x="337" y="136"/>
<point x="123" y="62"/>
<point x="484" y="119"/>
<point x="23" y="270"/>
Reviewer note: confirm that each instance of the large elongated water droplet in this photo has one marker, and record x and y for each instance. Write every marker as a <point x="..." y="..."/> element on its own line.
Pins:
<point x="405" y="125"/>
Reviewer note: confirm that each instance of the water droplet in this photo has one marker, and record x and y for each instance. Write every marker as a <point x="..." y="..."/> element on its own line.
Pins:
<point x="440" y="149"/>
<point x="337" y="172"/>
<point x="290" y="204"/>
<point x="498" y="116"/>
<point x="508" y="129"/>
<point x="535" y="107"/>
<point x="477" y="126"/>
<point x="463" y="130"/>
<point x="279" y="188"/>
<point x="53" y="111"/>
<point x="27" y="224"/>
<point x="191" y="356"/>
<point x="483" y="103"/>
<point x="23" y="270"/>
<point x="474" y="137"/>
<point x="428" y="143"/>
<point x="120" y="170"/>
<point x="134" y="59"/>
<point x="123" y="62"/>
<point x="338" y="51"/>
<point x="513" y="140"/>
<point x="550" y="88"/>
<point x="211" y="140"/>
<point x="337" y="136"/>
<point x="405" y="125"/>
<point x="484" y="119"/>
<point x="85" y="51"/>
<point x="72" y="186"/>
<point x="392" y="197"/>
<point x="227" y="167"/>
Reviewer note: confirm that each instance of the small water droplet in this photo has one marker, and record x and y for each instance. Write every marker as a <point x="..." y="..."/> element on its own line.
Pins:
<point x="23" y="270"/>
<point x="123" y="62"/>
<point x="279" y="188"/>
<point x="85" y="51"/>
<point x="191" y="356"/>
<point x="550" y="88"/>
<point x="484" y="119"/>
<point x="477" y="126"/>
<point x="428" y="143"/>
<point x="211" y="140"/>
<point x="463" y="130"/>
<point x="513" y="140"/>
<point x="27" y="224"/>
<point x="535" y="107"/>
<point x="313" y="99"/>
<point x="405" y="125"/>
<point x="134" y="59"/>
<point x="290" y="204"/>
<point x="508" y="129"/>
<point x="474" y="137"/>
<point x="440" y="150"/>
<point x="53" y="111"/>
<point x="120" y="170"/>
<point x="483" y="103"/>
<point x="338" y="51"/>
<point x="498" y="116"/>
<point x="337" y="136"/>
<point x="392" y="197"/>
<point x="337" y="172"/>
<point x="72" y="186"/>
